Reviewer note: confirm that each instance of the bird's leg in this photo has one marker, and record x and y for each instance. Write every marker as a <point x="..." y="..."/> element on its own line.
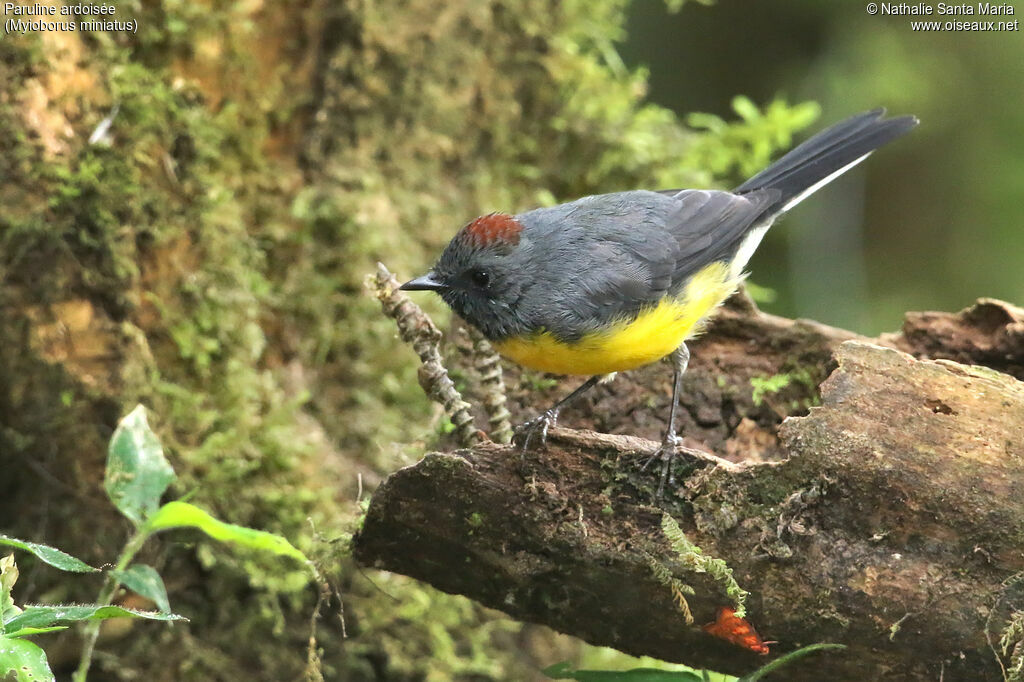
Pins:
<point x="550" y="417"/>
<point x="680" y="358"/>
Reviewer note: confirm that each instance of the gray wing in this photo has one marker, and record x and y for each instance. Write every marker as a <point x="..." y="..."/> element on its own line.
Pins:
<point x="610" y="257"/>
<point x="710" y="225"/>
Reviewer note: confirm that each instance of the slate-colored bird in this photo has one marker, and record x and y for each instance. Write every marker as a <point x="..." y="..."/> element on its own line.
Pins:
<point x="613" y="282"/>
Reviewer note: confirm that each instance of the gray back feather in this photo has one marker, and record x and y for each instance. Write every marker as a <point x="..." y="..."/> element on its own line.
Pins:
<point x="610" y="257"/>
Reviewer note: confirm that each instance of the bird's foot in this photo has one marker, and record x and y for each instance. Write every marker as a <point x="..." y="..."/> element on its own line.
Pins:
<point x="666" y="453"/>
<point x="536" y="428"/>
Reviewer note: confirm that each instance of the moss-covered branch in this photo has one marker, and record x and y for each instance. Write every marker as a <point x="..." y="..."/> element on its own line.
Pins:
<point x="888" y="504"/>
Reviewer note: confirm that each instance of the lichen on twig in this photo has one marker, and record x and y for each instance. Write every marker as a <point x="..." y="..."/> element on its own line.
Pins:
<point x="417" y="329"/>
<point x="492" y="386"/>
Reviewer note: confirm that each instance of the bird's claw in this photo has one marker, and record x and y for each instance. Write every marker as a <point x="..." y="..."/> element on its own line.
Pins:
<point x="526" y="432"/>
<point x="667" y="452"/>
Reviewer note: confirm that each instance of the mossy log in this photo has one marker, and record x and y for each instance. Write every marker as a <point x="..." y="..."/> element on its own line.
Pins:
<point x="888" y="518"/>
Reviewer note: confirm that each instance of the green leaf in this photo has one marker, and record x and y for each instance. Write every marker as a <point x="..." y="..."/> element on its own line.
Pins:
<point x="49" y="555"/>
<point x="147" y="582"/>
<point x="564" y="671"/>
<point x="46" y="616"/>
<point x="182" y="514"/>
<point x="787" y="659"/>
<point x="137" y="472"/>
<point x="8" y="577"/>
<point x="25" y="632"/>
<point x="26" y="660"/>
<point x="747" y="110"/>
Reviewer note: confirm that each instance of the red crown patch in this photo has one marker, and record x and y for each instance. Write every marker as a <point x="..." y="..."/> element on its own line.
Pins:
<point x="496" y="227"/>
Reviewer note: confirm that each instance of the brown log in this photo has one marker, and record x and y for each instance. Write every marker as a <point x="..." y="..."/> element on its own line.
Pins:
<point x="886" y="519"/>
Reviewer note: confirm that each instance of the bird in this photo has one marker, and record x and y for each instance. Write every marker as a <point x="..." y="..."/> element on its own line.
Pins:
<point x="612" y="282"/>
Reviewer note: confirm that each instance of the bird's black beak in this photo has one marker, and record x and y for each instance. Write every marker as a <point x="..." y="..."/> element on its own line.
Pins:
<point x="428" y="282"/>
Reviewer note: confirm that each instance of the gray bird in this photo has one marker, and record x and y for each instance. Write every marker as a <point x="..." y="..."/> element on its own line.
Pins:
<point x="613" y="282"/>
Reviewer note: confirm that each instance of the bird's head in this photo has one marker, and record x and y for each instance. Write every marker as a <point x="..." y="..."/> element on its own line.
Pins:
<point x="479" y="275"/>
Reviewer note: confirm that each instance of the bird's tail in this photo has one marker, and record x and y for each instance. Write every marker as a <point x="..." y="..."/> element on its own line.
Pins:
<point x="823" y="158"/>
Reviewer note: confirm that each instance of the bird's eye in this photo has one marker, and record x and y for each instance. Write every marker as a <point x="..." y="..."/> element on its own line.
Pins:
<point x="480" y="278"/>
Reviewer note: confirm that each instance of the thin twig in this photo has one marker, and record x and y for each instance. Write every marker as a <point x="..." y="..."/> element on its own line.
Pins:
<point x="314" y="664"/>
<point x="492" y="386"/>
<point x="418" y="330"/>
<point x="106" y="597"/>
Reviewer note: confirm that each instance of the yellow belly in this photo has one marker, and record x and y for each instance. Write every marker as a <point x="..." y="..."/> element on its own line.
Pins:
<point x="628" y="345"/>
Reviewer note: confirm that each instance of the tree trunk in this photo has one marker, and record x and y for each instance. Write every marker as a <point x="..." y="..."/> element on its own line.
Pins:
<point x="886" y="519"/>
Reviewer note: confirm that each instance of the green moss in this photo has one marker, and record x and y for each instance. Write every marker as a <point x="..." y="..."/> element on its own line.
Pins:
<point x="536" y="382"/>
<point x="676" y="587"/>
<point x="225" y="233"/>
<point x="695" y="560"/>
<point x="770" y="384"/>
<point x="1011" y="645"/>
<point x="805" y="379"/>
<point x="95" y="225"/>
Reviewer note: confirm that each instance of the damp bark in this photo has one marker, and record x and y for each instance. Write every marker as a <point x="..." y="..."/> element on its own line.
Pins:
<point x="879" y="508"/>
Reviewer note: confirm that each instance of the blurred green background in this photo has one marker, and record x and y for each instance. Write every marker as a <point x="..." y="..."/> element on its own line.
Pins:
<point x="930" y="222"/>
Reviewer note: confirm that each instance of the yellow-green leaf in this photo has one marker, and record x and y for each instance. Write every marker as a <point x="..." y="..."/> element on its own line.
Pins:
<point x="747" y="110"/>
<point x="184" y="515"/>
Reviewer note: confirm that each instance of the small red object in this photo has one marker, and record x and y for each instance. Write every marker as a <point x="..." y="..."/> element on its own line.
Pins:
<point x="736" y="630"/>
<point x="496" y="227"/>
